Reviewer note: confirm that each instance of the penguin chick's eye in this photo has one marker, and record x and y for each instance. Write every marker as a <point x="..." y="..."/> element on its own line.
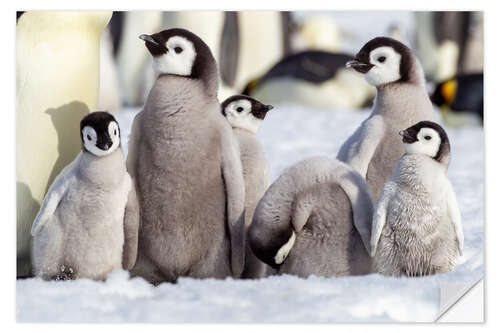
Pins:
<point x="88" y="137"/>
<point x="381" y="59"/>
<point x="178" y="49"/>
<point x="114" y="132"/>
<point x="239" y="109"/>
<point x="427" y="137"/>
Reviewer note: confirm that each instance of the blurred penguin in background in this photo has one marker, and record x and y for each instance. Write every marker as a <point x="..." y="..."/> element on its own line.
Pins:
<point x="134" y="64"/>
<point x="460" y="99"/>
<point x="318" y="32"/>
<point x="109" y="87"/>
<point x="55" y="85"/>
<point x="443" y="39"/>
<point x="312" y="78"/>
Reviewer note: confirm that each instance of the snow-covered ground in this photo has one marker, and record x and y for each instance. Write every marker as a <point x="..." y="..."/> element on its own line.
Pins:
<point x="288" y="134"/>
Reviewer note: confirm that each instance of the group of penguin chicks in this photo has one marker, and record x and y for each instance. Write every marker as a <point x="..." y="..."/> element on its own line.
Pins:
<point x="193" y="198"/>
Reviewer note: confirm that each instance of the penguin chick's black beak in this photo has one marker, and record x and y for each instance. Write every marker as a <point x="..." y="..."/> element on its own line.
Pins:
<point x="148" y="38"/>
<point x="260" y="112"/>
<point x="407" y="137"/>
<point x="359" y="66"/>
<point x="267" y="108"/>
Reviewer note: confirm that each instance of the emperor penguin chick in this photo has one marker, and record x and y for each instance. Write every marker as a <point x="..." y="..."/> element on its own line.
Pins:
<point x="315" y="219"/>
<point x="185" y="163"/>
<point x="416" y="227"/>
<point x="89" y="220"/>
<point x="245" y="114"/>
<point x="400" y="102"/>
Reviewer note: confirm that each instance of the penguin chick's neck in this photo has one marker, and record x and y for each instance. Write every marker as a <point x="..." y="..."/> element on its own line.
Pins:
<point x="170" y="91"/>
<point x="415" y="169"/>
<point x="105" y="170"/>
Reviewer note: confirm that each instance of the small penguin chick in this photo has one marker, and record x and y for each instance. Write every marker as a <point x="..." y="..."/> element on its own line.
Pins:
<point x="80" y="235"/>
<point x="244" y="112"/>
<point x="428" y="138"/>
<point x="417" y="227"/>
<point x="383" y="60"/>
<point x="100" y="133"/>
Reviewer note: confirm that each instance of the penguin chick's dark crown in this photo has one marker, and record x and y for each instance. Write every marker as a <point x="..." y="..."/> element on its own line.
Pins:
<point x="404" y="67"/>
<point x="204" y="63"/>
<point x="411" y="134"/>
<point x="99" y="121"/>
<point x="259" y="110"/>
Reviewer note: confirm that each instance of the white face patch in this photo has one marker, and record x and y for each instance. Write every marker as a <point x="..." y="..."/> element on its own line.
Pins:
<point x="178" y="60"/>
<point x="385" y="61"/>
<point x="284" y="250"/>
<point x="428" y="143"/>
<point x="90" y="139"/>
<point x="239" y="114"/>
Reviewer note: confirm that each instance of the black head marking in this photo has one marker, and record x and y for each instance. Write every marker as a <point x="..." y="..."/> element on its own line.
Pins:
<point x="99" y="121"/>
<point x="266" y="248"/>
<point x="259" y="110"/>
<point x="410" y="136"/>
<point x="363" y="55"/>
<point x="204" y="66"/>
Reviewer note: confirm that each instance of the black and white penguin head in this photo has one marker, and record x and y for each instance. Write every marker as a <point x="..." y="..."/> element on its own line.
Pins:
<point x="383" y="60"/>
<point x="100" y="133"/>
<point x="180" y="52"/>
<point x="244" y="112"/>
<point x="428" y="138"/>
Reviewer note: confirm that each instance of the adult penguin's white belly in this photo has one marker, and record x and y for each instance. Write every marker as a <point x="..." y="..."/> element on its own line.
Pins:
<point x="57" y="83"/>
<point x="261" y="44"/>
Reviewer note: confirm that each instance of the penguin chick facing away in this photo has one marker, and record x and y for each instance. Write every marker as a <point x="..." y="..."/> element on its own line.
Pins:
<point x="315" y="219"/>
<point x="245" y="115"/>
<point x="416" y="226"/>
<point x="401" y="101"/>
<point x="88" y="223"/>
<point x="185" y="163"/>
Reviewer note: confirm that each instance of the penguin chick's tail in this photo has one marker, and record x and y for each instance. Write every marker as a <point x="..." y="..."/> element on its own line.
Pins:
<point x="287" y="205"/>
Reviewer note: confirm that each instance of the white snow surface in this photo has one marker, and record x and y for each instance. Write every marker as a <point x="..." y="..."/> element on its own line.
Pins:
<point x="289" y="134"/>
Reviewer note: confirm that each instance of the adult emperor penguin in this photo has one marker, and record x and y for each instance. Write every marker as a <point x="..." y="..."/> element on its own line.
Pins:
<point x="315" y="219"/>
<point x="185" y="161"/>
<point x="401" y="101"/>
<point x="245" y="114"/>
<point x="89" y="220"/>
<point x="417" y="228"/>
<point x="312" y="78"/>
<point x="54" y="85"/>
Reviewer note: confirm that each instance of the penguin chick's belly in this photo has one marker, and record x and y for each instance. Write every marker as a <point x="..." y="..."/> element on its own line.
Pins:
<point x="328" y="245"/>
<point x="416" y="239"/>
<point x="93" y="230"/>
<point x="183" y="201"/>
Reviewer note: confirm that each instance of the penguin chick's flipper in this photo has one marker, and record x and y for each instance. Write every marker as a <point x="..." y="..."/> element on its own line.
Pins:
<point x="53" y="196"/>
<point x="358" y="150"/>
<point x="358" y="192"/>
<point x="131" y="229"/>
<point x="380" y="216"/>
<point x="132" y="146"/>
<point x="454" y="215"/>
<point x="232" y="173"/>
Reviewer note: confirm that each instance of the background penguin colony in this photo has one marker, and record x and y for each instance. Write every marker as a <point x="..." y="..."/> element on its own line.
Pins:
<point x="316" y="76"/>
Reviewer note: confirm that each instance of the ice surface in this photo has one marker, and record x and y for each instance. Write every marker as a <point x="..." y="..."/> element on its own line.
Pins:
<point x="289" y="134"/>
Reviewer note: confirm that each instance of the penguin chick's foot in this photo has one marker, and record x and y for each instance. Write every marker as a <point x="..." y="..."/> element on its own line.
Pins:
<point x="67" y="273"/>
